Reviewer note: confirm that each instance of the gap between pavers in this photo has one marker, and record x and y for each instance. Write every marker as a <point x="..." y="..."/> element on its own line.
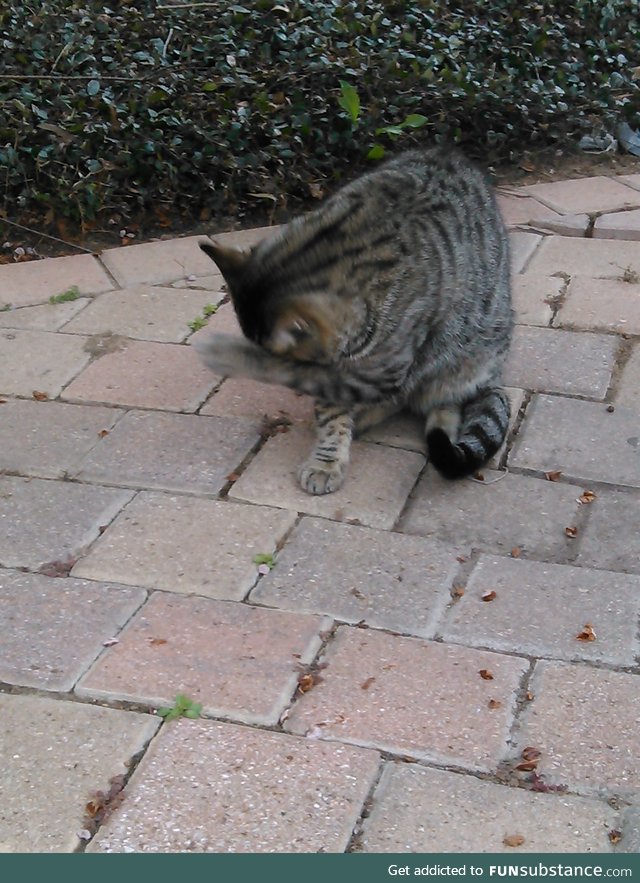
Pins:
<point x="34" y="282"/>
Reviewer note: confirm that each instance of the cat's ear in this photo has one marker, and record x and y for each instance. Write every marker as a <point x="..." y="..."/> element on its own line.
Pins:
<point x="230" y="261"/>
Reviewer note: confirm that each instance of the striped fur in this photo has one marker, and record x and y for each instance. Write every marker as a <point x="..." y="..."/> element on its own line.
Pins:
<point x="395" y="293"/>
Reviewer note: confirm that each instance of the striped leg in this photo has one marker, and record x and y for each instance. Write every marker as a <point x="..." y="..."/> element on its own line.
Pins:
<point x="325" y="469"/>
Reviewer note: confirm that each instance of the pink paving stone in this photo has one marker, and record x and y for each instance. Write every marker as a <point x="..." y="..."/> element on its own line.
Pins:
<point x="628" y="392"/>
<point x="239" y="661"/>
<point x="585" y="257"/>
<point x="35" y="281"/>
<point x="187" y="544"/>
<point x="517" y="209"/>
<point x="539" y="609"/>
<point x="143" y="374"/>
<point x="44" y="317"/>
<point x="630" y="181"/>
<point x="145" y="312"/>
<point x="422" y="810"/>
<point x="374" y="493"/>
<point x="414" y="697"/>
<point x="55" y="755"/>
<point x="215" y="787"/>
<point x="244" y="239"/>
<point x="158" y="262"/>
<point x="53" y="629"/>
<point x="621" y="225"/>
<point x="246" y="398"/>
<point x="585" y="722"/>
<point x="601" y="305"/>
<point x="523" y="246"/>
<point x="550" y="360"/>
<point x="39" y="361"/>
<point x="532" y="296"/>
<point x="565" y="225"/>
<point x="595" y="194"/>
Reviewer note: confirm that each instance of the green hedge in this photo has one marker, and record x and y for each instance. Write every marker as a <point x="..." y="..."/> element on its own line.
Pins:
<point x="224" y="105"/>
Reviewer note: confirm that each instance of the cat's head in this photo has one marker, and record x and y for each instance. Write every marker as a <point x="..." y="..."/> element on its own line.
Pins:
<point x="296" y="325"/>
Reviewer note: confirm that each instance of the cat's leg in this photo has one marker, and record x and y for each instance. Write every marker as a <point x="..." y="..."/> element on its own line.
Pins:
<point x="324" y="471"/>
<point x="365" y="416"/>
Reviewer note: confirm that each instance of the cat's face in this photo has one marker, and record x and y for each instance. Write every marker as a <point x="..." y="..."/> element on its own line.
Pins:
<point x="301" y="328"/>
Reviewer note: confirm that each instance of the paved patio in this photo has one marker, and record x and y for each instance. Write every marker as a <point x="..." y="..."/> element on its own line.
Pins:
<point x="427" y="667"/>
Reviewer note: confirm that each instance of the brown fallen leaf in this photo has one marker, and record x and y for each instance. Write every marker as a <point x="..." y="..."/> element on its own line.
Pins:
<point x="614" y="836"/>
<point x="530" y="757"/>
<point x="489" y="596"/>
<point x="103" y="433"/>
<point x="587" y="633"/>
<point x="232" y="476"/>
<point x="494" y="703"/>
<point x="156" y="642"/>
<point x="586" y="497"/>
<point x="305" y="683"/>
<point x="529" y="696"/>
<point x="366" y="684"/>
<point x="457" y="591"/>
<point x="513" y="840"/>
<point x="485" y="674"/>
<point x="571" y="532"/>
<point x="479" y="476"/>
<point x="40" y="396"/>
<point x="516" y="552"/>
<point x="460" y="559"/>
<point x="553" y="475"/>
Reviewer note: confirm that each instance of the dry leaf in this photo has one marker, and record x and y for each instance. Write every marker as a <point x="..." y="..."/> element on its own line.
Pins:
<point x="460" y="559"/>
<point x="513" y="840"/>
<point x="528" y="696"/>
<point x="614" y="836"/>
<point x="494" y="703"/>
<point x="554" y="475"/>
<point x="479" y="476"/>
<point x="102" y="433"/>
<point x="587" y="633"/>
<point x="366" y="684"/>
<point x="457" y="591"/>
<point x="571" y="532"/>
<point x="485" y="674"/>
<point x="531" y="753"/>
<point x="516" y="552"/>
<point x="40" y="396"/>
<point x="157" y="641"/>
<point x="489" y="596"/>
<point x="586" y="497"/>
<point x="232" y="476"/>
<point x="305" y="683"/>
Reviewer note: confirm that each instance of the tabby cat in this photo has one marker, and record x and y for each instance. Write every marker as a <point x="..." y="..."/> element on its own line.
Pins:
<point x="394" y="293"/>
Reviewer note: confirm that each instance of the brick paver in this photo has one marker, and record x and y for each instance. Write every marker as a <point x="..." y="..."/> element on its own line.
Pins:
<point x="179" y="554"/>
<point x="628" y="391"/>
<point x="55" y="757"/>
<point x="45" y="317"/>
<point x="174" y="452"/>
<point x="205" y="787"/>
<point x="49" y="439"/>
<point x="144" y="312"/>
<point x="53" y="629"/>
<point x="188" y="545"/>
<point x="587" y="442"/>
<point x="273" y="478"/>
<point x="585" y="723"/>
<point x="514" y="511"/>
<point x="356" y="574"/>
<point x="239" y="661"/>
<point x="34" y="282"/>
<point x="36" y="361"/>
<point x="158" y="262"/>
<point x="540" y="609"/>
<point x="597" y="194"/>
<point x="48" y="521"/>
<point x="610" y="539"/>
<point x="426" y="810"/>
<point x="142" y="374"/>
<point x="547" y="360"/>
<point x="601" y="305"/>
<point x="403" y="695"/>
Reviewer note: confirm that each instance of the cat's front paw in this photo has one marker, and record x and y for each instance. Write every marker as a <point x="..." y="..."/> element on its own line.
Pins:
<point x="318" y="477"/>
<point x="228" y="356"/>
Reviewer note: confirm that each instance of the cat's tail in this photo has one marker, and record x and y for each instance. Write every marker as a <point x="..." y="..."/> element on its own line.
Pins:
<point x="483" y="428"/>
